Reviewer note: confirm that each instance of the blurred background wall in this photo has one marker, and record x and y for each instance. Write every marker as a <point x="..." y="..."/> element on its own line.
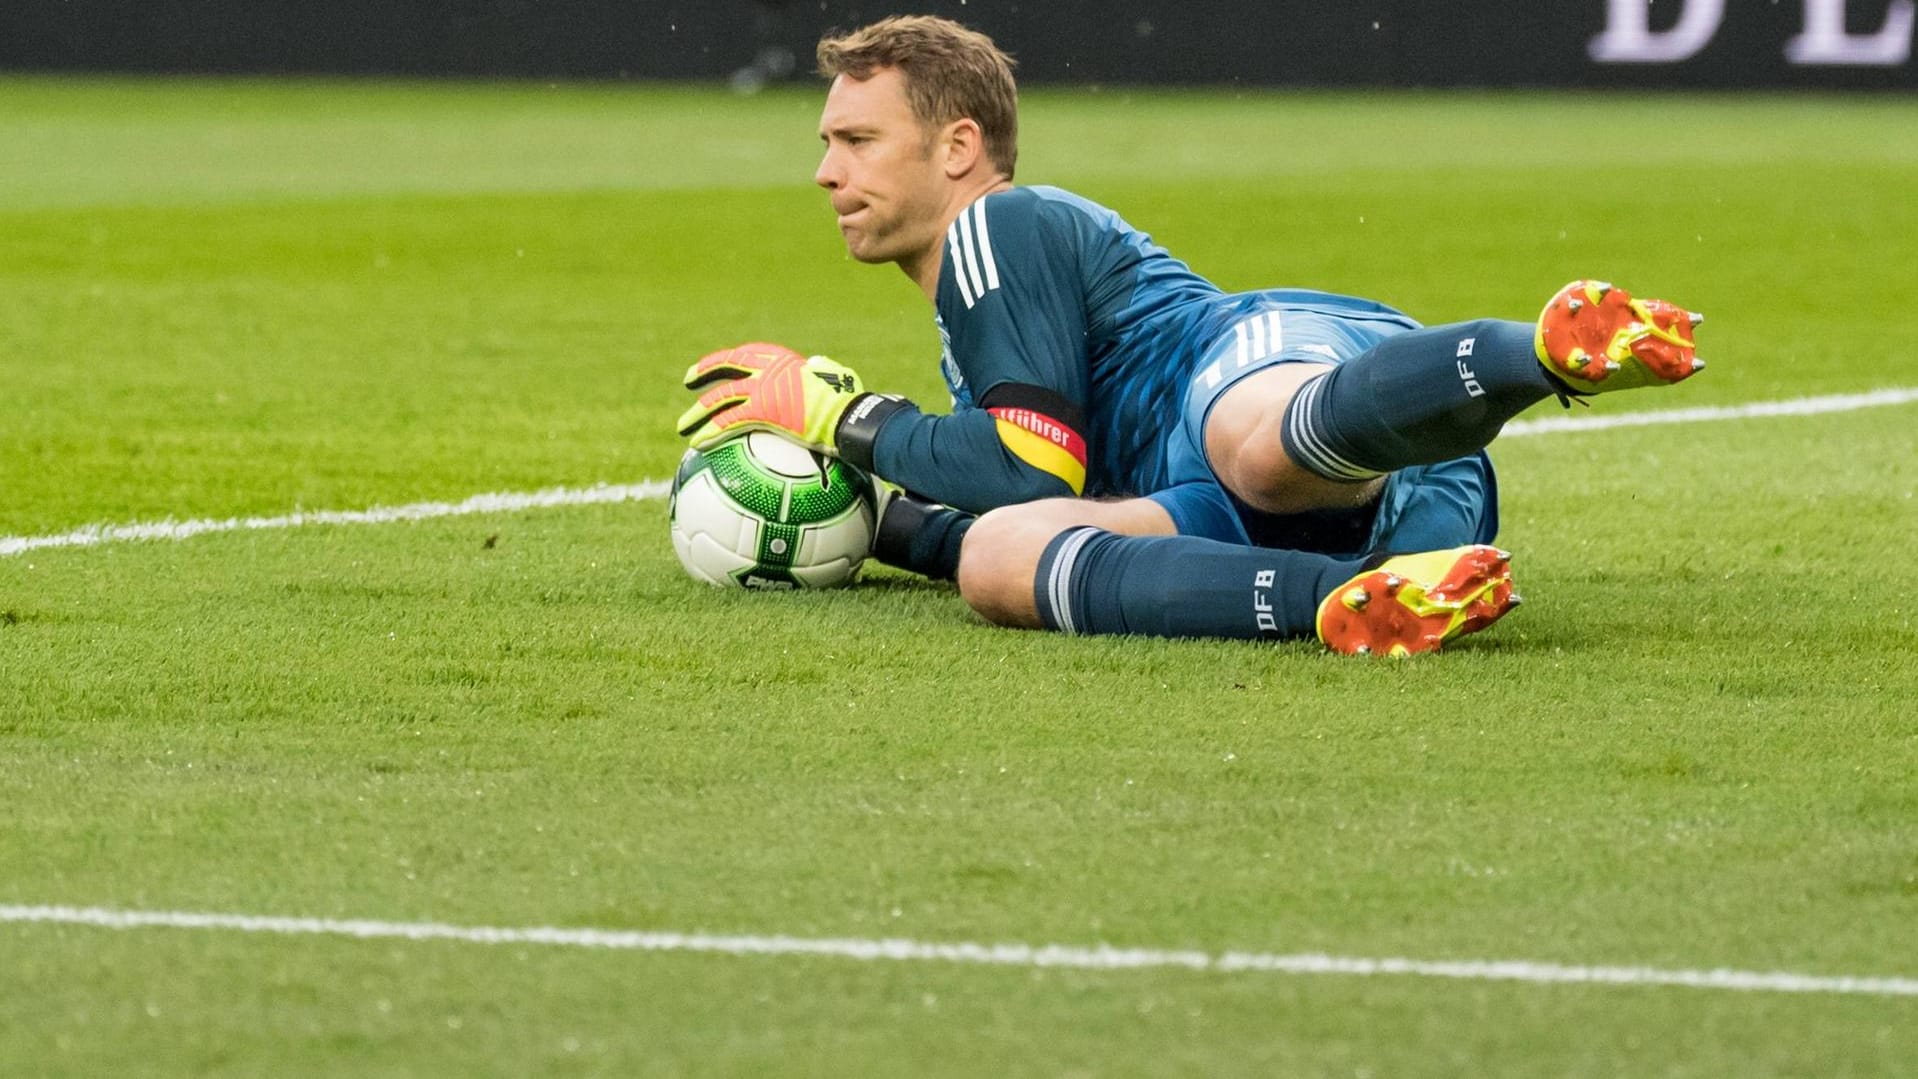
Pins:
<point x="1623" y="43"/>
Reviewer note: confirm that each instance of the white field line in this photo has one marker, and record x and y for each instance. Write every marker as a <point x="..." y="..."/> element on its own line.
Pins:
<point x="505" y="502"/>
<point x="1797" y="406"/>
<point x="1101" y="957"/>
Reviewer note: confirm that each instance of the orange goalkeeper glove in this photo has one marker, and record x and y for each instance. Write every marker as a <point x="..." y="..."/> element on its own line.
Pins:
<point x="770" y="387"/>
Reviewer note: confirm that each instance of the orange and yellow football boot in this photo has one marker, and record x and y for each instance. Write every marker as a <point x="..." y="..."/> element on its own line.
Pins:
<point x="1595" y="338"/>
<point x="1416" y="602"/>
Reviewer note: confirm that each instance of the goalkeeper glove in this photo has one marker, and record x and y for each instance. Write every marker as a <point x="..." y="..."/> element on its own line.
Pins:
<point x="765" y="387"/>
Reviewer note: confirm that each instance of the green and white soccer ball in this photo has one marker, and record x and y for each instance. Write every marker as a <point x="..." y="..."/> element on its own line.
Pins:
<point x="760" y="511"/>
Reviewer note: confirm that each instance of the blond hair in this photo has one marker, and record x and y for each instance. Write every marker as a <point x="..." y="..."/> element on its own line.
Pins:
<point x="952" y="73"/>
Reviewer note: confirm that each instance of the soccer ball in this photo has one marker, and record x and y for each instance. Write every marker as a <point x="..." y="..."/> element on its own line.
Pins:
<point x="759" y="511"/>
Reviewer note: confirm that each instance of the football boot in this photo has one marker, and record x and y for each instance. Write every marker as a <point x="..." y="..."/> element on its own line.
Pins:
<point x="1416" y="602"/>
<point x="1594" y="338"/>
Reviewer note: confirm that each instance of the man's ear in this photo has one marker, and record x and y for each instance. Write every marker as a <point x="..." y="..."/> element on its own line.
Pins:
<point x="964" y="147"/>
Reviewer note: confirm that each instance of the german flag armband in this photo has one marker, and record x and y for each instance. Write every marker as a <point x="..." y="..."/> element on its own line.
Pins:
<point x="1042" y="428"/>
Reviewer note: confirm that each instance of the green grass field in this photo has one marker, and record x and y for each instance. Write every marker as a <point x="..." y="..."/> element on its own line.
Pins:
<point x="1694" y="748"/>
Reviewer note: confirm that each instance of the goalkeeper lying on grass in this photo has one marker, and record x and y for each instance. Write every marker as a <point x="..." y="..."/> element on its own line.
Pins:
<point x="1148" y="453"/>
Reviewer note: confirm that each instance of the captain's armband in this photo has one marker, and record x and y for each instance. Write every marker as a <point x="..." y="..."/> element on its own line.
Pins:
<point x="1042" y="428"/>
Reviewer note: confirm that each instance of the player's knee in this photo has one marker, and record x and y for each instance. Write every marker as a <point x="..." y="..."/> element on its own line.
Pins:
<point x="1264" y="476"/>
<point x="1261" y="473"/>
<point x="1243" y="442"/>
<point x="997" y="562"/>
<point x="1245" y="445"/>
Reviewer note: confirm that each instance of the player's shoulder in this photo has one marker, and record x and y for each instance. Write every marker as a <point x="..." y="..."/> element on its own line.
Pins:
<point x="1036" y="242"/>
<point x="1030" y="226"/>
<point x="1040" y="206"/>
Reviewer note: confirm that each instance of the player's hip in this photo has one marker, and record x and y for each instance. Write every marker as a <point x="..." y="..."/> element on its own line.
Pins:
<point x="1425" y="507"/>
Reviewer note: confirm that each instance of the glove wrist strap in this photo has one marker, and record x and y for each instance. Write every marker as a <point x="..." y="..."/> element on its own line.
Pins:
<point x="858" y="429"/>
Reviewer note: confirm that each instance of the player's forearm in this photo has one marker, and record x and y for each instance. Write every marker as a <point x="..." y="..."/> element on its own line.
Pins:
<point x="959" y="460"/>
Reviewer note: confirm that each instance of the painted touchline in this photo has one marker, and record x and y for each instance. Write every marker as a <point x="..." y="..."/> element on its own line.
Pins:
<point x="1098" y="957"/>
<point x="511" y="501"/>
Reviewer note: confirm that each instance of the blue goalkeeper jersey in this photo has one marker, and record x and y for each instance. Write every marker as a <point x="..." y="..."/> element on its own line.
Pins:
<point x="1069" y="340"/>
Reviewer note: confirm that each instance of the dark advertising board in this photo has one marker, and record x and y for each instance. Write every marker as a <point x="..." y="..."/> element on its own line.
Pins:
<point x="1621" y="43"/>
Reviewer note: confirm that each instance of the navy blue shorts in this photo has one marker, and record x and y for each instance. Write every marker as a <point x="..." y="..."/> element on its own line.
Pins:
<point x="1422" y="508"/>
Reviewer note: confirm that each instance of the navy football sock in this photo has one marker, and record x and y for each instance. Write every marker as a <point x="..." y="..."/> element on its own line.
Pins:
<point x="921" y="536"/>
<point x="1417" y="398"/>
<point x="1094" y="581"/>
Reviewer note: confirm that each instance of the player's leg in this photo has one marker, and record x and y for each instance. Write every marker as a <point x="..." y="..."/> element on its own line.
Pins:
<point x="1245" y="449"/>
<point x="1285" y="440"/>
<point x="1001" y="551"/>
<point x="1040" y="565"/>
